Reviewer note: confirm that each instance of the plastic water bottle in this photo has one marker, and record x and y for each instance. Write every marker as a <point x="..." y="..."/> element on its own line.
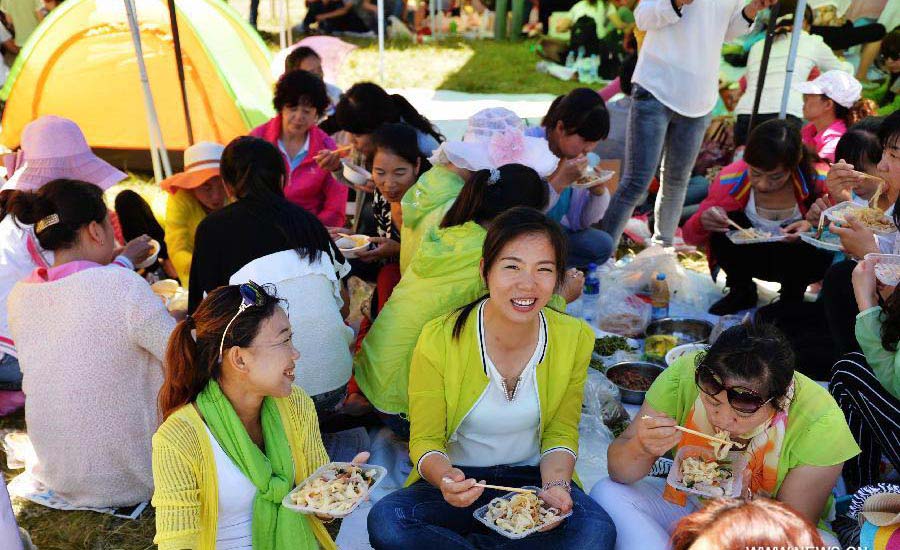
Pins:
<point x="659" y="297"/>
<point x="570" y="59"/>
<point x="590" y="297"/>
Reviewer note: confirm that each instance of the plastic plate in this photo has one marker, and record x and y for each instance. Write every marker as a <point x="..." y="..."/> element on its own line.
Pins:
<point x="480" y="513"/>
<point x="887" y="268"/>
<point x="732" y="488"/>
<point x="380" y="473"/>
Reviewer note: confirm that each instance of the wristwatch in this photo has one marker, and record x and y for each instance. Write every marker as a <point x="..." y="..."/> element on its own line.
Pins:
<point x="567" y="485"/>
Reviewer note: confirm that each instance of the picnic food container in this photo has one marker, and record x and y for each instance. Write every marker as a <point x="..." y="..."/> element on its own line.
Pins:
<point x="352" y="245"/>
<point x="887" y="268"/>
<point x="684" y="349"/>
<point x="686" y="330"/>
<point x="648" y="370"/>
<point x="287" y="502"/>
<point x="357" y="175"/>
<point x="825" y="244"/>
<point x="593" y="177"/>
<point x="738" y="462"/>
<point x="739" y="237"/>
<point x="838" y="213"/>
<point x="480" y="513"/>
<point x="154" y="253"/>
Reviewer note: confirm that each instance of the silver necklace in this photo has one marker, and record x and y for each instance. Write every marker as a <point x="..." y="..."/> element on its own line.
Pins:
<point x="510" y="397"/>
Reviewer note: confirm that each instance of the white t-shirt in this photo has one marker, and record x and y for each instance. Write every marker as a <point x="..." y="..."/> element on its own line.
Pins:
<point x="811" y="52"/>
<point x="498" y="431"/>
<point x="680" y="56"/>
<point x="236" y="494"/>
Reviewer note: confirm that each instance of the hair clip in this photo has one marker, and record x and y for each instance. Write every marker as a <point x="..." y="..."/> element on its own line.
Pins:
<point x="46" y="222"/>
<point x="494" y="177"/>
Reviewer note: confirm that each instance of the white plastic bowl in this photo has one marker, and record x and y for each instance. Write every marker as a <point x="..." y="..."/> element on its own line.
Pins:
<point x="356" y="175"/>
<point x="155" y="246"/>
<point x="349" y="247"/>
<point x="683" y="349"/>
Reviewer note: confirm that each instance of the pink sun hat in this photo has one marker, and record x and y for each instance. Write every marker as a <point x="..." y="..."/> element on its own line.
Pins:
<point x="54" y="147"/>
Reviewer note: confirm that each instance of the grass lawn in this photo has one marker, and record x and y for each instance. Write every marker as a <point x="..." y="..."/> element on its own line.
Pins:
<point x="475" y="66"/>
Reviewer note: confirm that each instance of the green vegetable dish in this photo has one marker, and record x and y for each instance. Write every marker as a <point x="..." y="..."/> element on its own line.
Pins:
<point x="608" y="345"/>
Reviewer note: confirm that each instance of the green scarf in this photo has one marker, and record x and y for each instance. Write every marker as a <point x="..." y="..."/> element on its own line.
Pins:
<point x="272" y="473"/>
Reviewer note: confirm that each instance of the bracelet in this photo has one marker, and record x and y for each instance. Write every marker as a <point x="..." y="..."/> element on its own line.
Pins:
<point x="567" y="485"/>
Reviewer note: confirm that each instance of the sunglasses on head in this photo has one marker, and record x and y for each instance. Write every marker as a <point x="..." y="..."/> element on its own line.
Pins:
<point x="743" y="400"/>
<point x="251" y="296"/>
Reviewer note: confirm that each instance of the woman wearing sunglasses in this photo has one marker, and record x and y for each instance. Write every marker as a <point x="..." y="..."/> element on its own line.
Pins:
<point x="237" y="435"/>
<point x="793" y="431"/>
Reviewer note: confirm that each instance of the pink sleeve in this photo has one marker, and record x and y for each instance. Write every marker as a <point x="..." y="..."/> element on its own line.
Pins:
<point x="611" y="89"/>
<point x="334" y="209"/>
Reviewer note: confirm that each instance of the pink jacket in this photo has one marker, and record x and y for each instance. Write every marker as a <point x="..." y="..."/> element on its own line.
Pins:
<point x="308" y="185"/>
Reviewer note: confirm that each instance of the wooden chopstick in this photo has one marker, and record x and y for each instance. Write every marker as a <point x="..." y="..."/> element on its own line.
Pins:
<point x="821" y="227"/>
<point x="704" y="436"/>
<point x="502" y="488"/>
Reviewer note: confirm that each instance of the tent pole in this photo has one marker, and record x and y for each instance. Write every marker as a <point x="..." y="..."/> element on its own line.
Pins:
<point x="288" y="26"/>
<point x="792" y="57"/>
<point x="282" y="36"/>
<point x="179" y="62"/>
<point x="157" y="148"/>
<point x="764" y="65"/>
<point x="381" y="42"/>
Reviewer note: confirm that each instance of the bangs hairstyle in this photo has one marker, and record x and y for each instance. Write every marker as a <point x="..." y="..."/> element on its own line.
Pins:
<point x="513" y="224"/>
<point x="294" y="59"/>
<point x="889" y="132"/>
<point x="300" y="88"/>
<point x="399" y="139"/>
<point x="581" y="112"/>
<point x="192" y="355"/>
<point x="753" y="352"/>
<point x="859" y="147"/>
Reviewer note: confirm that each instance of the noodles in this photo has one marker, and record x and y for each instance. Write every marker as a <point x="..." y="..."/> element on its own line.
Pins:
<point x="888" y="273"/>
<point x="721" y="450"/>
<point x="336" y="490"/>
<point x="872" y="218"/>
<point x="523" y="512"/>
<point x="709" y="476"/>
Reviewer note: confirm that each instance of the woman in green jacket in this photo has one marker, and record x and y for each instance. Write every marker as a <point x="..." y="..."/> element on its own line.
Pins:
<point x="495" y="395"/>
<point x="443" y="276"/>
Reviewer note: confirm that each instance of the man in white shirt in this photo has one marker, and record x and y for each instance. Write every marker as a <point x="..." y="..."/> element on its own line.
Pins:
<point x="675" y="89"/>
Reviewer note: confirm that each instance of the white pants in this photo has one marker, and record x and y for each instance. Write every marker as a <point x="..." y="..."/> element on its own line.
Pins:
<point x="644" y="519"/>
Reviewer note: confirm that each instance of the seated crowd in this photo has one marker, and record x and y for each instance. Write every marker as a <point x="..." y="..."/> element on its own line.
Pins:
<point x="465" y="351"/>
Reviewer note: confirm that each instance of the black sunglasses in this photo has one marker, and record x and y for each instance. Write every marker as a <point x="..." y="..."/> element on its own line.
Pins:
<point x="743" y="400"/>
<point x="251" y="296"/>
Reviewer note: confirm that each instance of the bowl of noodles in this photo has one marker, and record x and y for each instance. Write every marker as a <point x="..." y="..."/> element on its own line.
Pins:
<point x="698" y="470"/>
<point x="517" y="515"/>
<point x="873" y="219"/>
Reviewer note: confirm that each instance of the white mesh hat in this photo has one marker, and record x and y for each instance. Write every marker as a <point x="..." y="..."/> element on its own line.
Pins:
<point x="495" y="137"/>
<point x="838" y="86"/>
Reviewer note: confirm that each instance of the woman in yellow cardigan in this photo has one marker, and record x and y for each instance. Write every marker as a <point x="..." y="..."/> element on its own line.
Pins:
<point x="237" y="434"/>
<point x="495" y="394"/>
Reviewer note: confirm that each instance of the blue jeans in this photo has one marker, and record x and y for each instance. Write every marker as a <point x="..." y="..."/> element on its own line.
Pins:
<point x="419" y="517"/>
<point x="655" y="134"/>
<point x="10" y="374"/>
<point x="588" y="245"/>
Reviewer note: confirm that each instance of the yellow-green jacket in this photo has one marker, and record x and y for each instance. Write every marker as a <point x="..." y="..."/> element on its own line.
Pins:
<point x="183" y="215"/>
<point x="448" y="377"/>
<point x="186" y="495"/>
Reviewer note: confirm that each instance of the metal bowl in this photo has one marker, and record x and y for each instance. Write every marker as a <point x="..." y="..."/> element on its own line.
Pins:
<point x="688" y="331"/>
<point x="651" y="370"/>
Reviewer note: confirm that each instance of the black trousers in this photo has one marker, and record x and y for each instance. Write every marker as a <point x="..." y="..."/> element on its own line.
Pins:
<point x="795" y="265"/>
<point x="349" y="22"/>
<point x="873" y="415"/>
<point x="840" y="306"/>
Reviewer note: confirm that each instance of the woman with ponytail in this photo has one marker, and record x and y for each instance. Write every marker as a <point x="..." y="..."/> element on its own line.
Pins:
<point x="237" y="435"/>
<point x="831" y="103"/>
<point x="90" y="337"/>
<point x="264" y="237"/>
<point x="443" y="276"/>
<point x="495" y="392"/>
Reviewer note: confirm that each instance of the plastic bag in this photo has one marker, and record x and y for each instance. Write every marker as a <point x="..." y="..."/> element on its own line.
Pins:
<point x="602" y="399"/>
<point x="620" y="312"/>
<point x="692" y="289"/>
